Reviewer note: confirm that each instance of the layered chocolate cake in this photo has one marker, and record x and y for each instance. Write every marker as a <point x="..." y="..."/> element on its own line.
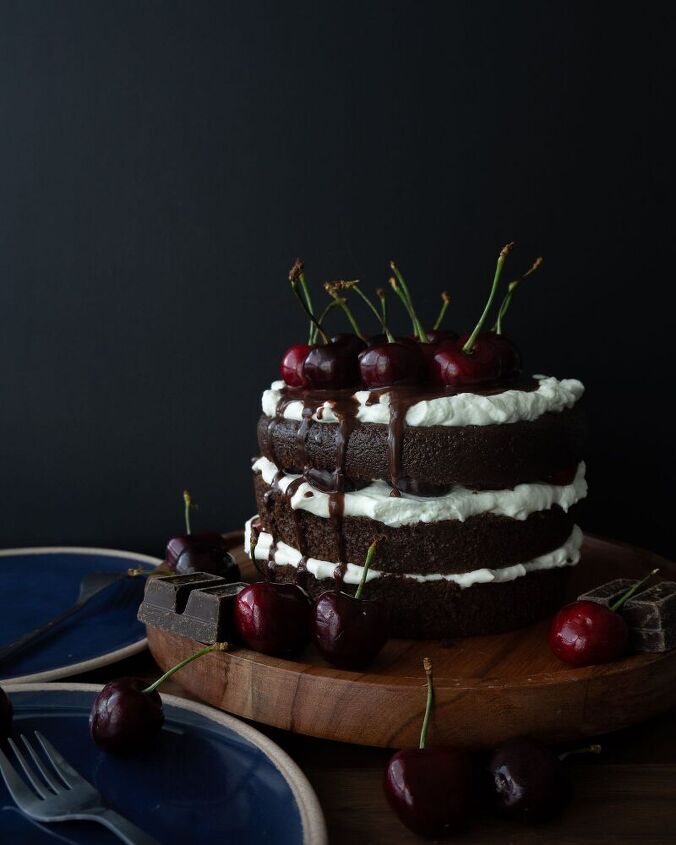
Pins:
<point x="470" y="481"/>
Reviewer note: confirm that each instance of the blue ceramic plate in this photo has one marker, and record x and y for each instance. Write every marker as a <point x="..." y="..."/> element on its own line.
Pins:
<point x="209" y="778"/>
<point x="38" y="584"/>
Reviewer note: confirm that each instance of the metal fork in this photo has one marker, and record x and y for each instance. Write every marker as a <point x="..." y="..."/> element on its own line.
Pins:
<point x="65" y="798"/>
<point x="92" y="584"/>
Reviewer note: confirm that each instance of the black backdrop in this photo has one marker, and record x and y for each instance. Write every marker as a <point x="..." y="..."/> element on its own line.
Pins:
<point x="162" y="163"/>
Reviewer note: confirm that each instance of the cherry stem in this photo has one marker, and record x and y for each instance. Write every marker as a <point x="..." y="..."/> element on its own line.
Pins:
<point x="427" y="665"/>
<point x="188" y="505"/>
<point x="320" y="320"/>
<point x="504" y="252"/>
<point x="304" y="306"/>
<point x="506" y="302"/>
<point x="388" y="334"/>
<point x="367" y="563"/>
<point x="189" y="659"/>
<point x="587" y="749"/>
<point x="331" y="289"/>
<point x="252" y="547"/>
<point x="308" y="302"/>
<point x="381" y="293"/>
<point x="445" y="299"/>
<point x="632" y="591"/>
<point x="408" y="302"/>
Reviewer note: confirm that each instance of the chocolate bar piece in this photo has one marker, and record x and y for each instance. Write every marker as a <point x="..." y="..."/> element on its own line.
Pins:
<point x="198" y="606"/>
<point x="655" y="639"/>
<point x="608" y="594"/>
<point x="653" y="608"/>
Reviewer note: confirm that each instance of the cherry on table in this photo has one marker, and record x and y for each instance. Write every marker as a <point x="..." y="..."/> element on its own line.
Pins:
<point x="391" y="365"/>
<point x="291" y="366"/>
<point x="432" y="790"/>
<point x="348" y="630"/>
<point x="127" y="714"/>
<point x="331" y="366"/>
<point x="585" y="633"/>
<point x="273" y="618"/>
<point x="6" y="712"/>
<point x="528" y="781"/>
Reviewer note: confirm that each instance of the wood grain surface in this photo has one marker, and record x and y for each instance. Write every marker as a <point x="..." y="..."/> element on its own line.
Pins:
<point x="487" y="688"/>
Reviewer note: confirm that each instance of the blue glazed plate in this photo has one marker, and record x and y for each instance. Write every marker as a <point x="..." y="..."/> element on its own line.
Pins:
<point x="209" y="778"/>
<point x="38" y="584"/>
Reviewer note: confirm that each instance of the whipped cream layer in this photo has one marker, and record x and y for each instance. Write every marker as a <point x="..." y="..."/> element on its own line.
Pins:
<point x="457" y="410"/>
<point x="375" y="501"/>
<point x="285" y="555"/>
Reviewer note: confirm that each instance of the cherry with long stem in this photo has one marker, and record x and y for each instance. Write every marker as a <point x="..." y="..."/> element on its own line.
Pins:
<point x="432" y="790"/>
<point x="127" y="715"/>
<point x="349" y="630"/>
<point x="504" y="252"/>
<point x="506" y="302"/>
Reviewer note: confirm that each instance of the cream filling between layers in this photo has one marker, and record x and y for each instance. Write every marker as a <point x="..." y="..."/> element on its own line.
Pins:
<point x="284" y="555"/>
<point x="458" y="410"/>
<point x="375" y="501"/>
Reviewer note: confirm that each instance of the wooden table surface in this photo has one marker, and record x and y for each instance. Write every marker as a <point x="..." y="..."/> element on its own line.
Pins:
<point x="626" y="796"/>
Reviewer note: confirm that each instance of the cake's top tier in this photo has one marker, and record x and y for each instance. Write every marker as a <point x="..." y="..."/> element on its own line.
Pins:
<point x="420" y="441"/>
<point x="522" y="401"/>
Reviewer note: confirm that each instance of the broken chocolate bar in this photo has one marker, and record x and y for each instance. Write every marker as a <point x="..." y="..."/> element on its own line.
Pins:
<point x="608" y="594"/>
<point x="654" y="640"/>
<point x="198" y="606"/>
<point x="653" y="608"/>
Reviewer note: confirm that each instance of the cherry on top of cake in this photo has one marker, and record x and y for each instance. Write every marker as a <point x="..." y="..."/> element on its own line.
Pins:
<point x="436" y="361"/>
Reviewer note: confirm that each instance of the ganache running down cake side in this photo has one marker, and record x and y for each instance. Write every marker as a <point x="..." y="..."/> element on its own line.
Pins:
<point x="467" y="472"/>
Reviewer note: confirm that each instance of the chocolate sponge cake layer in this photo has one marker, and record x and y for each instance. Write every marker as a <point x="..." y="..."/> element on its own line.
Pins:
<point x="487" y="457"/>
<point x="447" y="546"/>
<point x="440" y="609"/>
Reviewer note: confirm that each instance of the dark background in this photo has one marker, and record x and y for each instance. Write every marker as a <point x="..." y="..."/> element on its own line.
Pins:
<point x="161" y="164"/>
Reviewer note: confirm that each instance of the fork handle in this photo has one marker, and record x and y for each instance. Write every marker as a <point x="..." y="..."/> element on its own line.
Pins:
<point x="26" y="639"/>
<point x="121" y="827"/>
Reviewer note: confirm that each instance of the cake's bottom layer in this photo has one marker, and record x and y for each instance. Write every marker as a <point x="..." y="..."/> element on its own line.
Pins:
<point x="442" y="610"/>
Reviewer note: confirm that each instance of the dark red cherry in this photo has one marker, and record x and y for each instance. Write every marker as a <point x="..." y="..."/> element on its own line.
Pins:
<point x="584" y="633"/>
<point x="206" y="552"/>
<point x="127" y="714"/>
<point x="528" y="781"/>
<point x="440" y="335"/>
<point x="508" y="355"/>
<point x="332" y="366"/>
<point x="432" y="790"/>
<point x="349" y="341"/>
<point x="390" y="365"/>
<point x="273" y="618"/>
<point x="6" y="712"/>
<point x="376" y="340"/>
<point x="292" y="365"/>
<point x="350" y="630"/>
<point x="451" y="367"/>
<point x="125" y="719"/>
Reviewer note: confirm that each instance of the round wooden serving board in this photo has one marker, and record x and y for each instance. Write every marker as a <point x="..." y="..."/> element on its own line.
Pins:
<point x="487" y="688"/>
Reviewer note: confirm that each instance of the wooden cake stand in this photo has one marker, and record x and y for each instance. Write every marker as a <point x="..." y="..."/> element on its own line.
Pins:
<point x="487" y="688"/>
